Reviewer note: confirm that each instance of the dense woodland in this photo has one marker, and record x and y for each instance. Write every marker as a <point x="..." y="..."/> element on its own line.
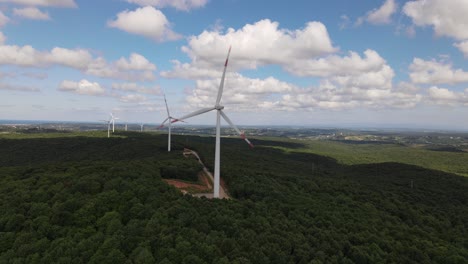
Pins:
<point x="83" y="199"/>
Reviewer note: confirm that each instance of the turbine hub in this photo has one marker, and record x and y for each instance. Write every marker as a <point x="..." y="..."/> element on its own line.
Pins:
<point x="219" y="107"/>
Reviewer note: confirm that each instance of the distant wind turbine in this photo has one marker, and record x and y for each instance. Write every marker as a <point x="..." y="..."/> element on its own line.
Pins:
<point x="141" y="127"/>
<point x="219" y="112"/>
<point x="108" y="122"/>
<point x="113" y="118"/>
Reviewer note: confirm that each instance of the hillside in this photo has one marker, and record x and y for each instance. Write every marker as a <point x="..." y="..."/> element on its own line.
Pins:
<point x="84" y="198"/>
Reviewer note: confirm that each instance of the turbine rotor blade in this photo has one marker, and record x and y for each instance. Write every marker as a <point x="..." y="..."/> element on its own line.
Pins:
<point x="162" y="124"/>
<point x="198" y="112"/>
<point x="221" y="85"/>
<point x="241" y="134"/>
<point x="167" y="108"/>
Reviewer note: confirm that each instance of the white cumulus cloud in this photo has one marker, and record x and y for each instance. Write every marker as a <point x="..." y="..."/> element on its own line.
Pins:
<point x="444" y="96"/>
<point x="435" y="72"/>
<point x="31" y="13"/>
<point x="134" y="87"/>
<point x="18" y="88"/>
<point x="240" y="92"/>
<point x="137" y="67"/>
<point x="83" y="87"/>
<point x="145" y="21"/>
<point x="448" y="18"/>
<point x="348" y="81"/>
<point x="184" y="5"/>
<point x="383" y="14"/>
<point x="20" y="56"/>
<point x="135" y="62"/>
<point x="54" y="3"/>
<point x="133" y="98"/>
<point x="252" y="94"/>
<point x="463" y="47"/>
<point x="74" y="58"/>
<point x="259" y="44"/>
<point x="2" y="38"/>
<point x="336" y="65"/>
<point x="3" y="19"/>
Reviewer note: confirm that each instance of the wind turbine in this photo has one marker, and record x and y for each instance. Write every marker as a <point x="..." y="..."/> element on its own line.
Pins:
<point x="113" y="118"/>
<point x="169" y="118"/>
<point x="108" y="126"/>
<point x="219" y="113"/>
<point x="141" y="127"/>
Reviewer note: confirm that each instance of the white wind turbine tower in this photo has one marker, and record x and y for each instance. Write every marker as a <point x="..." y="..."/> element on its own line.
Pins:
<point x="113" y="118"/>
<point x="108" y="122"/>
<point x="219" y="112"/>
<point x="169" y="118"/>
<point x="141" y="127"/>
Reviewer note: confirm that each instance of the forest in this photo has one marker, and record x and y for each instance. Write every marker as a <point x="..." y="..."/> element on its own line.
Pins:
<point x="85" y="198"/>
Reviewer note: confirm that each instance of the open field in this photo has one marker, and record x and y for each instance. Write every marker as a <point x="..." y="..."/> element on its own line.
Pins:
<point x="351" y="154"/>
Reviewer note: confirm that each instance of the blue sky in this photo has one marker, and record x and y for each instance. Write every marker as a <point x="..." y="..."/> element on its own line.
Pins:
<point x="339" y="63"/>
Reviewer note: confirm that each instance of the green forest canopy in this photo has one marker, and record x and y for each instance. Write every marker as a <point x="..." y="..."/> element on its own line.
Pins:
<point x="80" y="199"/>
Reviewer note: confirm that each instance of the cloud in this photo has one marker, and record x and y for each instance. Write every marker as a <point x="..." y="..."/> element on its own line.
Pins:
<point x="20" y="56"/>
<point x="383" y="14"/>
<point x="2" y="38"/>
<point x="145" y="21"/>
<point x="36" y="75"/>
<point x="254" y="45"/>
<point x="190" y="71"/>
<point x="259" y="44"/>
<point x="448" y="18"/>
<point x="270" y="94"/>
<point x="348" y="81"/>
<point x="443" y="96"/>
<point x="345" y="21"/>
<point x="463" y="47"/>
<point x="100" y="67"/>
<point x="134" y="87"/>
<point x="243" y="92"/>
<point x="184" y="5"/>
<point x="3" y="19"/>
<point x="336" y="65"/>
<point x="435" y="72"/>
<point x="31" y="13"/>
<point x="133" y="98"/>
<point x="137" y="67"/>
<point x="83" y="87"/>
<point x="19" y="88"/>
<point x="54" y="3"/>
<point x="327" y="96"/>
<point x="136" y="62"/>
<point x="76" y="58"/>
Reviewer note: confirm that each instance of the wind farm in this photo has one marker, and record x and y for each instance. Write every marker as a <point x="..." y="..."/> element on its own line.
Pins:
<point x="123" y="137"/>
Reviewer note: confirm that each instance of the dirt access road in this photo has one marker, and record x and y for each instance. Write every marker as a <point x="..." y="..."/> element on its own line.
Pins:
<point x="222" y="192"/>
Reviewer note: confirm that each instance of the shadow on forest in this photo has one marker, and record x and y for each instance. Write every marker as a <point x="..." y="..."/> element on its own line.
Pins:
<point x="30" y="151"/>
